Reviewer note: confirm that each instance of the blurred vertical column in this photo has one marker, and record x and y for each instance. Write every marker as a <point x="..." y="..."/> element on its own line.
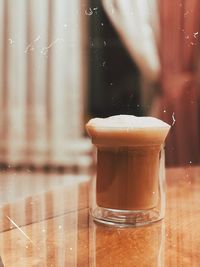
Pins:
<point x="66" y="78"/>
<point x="61" y="90"/>
<point x="37" y="39"/>
<point x="16" y="75"/>
<point x="66" y="85"/>
<point x="2" y="13"/>
<point x="43" y="81"/>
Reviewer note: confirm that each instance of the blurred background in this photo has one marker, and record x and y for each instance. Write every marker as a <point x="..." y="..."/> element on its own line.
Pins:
<point x="63" y="62"/>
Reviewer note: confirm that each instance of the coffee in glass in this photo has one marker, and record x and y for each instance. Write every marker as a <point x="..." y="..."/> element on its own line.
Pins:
<point x="129" y="185"/>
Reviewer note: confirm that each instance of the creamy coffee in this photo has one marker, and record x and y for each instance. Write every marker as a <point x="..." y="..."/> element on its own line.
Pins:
<point x="128" y="151"/>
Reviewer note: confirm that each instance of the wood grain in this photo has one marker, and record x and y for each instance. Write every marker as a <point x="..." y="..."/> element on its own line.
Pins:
<point x="71" y="239"/>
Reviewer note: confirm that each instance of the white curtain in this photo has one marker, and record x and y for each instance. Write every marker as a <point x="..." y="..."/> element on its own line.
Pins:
<point x="137" y="23"/>
<point x="42" y="80"/>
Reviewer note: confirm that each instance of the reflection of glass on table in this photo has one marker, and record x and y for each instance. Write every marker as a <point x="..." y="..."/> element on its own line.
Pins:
<point x="127" y="246"/>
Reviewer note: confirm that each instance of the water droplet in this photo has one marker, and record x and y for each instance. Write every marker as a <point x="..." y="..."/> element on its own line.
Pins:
<point x="28" y="48"/>
<point x="104" y="42"/>
<point x="102" y="24"/>
<point x="164" y="111"/>
<point x="195" y="34"/>
<point x="37" y="38"/>
<point x="173" y="118"/>
<point x="11" y="42"/>
<point x="45" y="49"/>
<point x="186" y="13"/>
<point x="89" y="12"/>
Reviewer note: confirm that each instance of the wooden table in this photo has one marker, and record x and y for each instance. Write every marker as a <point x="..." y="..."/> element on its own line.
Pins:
<point x="45" y="222"/>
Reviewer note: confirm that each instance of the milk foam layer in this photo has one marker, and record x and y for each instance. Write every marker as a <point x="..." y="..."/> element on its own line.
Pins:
<point x="127" y="121"/>
<point x="127" y="130"/>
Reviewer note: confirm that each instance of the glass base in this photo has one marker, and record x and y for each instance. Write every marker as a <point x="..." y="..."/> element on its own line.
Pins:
<point x="125" y="218"/>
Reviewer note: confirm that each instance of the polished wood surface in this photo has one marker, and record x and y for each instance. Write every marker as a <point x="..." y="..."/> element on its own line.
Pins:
<point x="44" y="222"/>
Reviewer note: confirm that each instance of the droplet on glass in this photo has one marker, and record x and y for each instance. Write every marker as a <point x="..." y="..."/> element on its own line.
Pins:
<point x="186" y="13"/>
<point x="28" y="48"/>
<point x="95" y="9"/>
<point x="37" y="38"/>
<point x="195" y="34"/>
<point x="45" y="49"/>
<point x="89" y="12"/>
<point x="173" y="118"/>
<point x="11" y="42"/>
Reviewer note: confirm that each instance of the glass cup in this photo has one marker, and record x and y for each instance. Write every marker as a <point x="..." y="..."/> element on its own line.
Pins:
<point x="128" y="188"/>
